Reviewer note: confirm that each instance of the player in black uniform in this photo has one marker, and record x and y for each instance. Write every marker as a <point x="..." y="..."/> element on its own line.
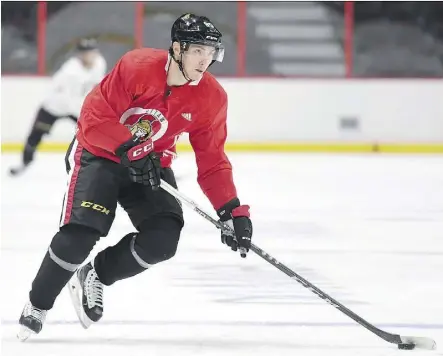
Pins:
<point x="70" y="84"/>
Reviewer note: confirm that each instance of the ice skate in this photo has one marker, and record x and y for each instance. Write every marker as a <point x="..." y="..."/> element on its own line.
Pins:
<point x="28" y="157"/>
<point x="87" y="295"/>
<point x="31" y="321"/>
<point x="18" y="170"/>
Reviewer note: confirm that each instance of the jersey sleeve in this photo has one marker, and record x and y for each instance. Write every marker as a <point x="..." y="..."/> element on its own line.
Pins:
<point x="97" y="76"/>
<point x="103" y="106"/>
<point x="63" y="81"/>
<point x="214" y="169"/>
<point x="103" y="66"/>
<point x="62" y="78"/>
<point x="63" y="94"/>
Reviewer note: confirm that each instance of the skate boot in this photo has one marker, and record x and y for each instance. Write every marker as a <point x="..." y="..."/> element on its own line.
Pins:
<point x="31" y="321"/>
<point x="28" y="157"/>
<point x="87" y="295"/>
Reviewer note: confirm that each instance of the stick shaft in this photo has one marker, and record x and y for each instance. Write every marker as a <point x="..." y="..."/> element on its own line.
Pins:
<point x="392" y="338"/>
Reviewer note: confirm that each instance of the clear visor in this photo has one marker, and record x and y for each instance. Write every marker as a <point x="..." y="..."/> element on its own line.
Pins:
<point x="207" y="48"/>
<point x="220" y="54"/>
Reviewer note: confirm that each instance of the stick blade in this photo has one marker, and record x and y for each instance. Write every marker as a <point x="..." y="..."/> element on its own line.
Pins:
<point x="420" y="342"/>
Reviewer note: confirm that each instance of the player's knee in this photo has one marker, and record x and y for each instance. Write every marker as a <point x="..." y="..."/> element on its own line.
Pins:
<point x="158" y="239"/>
<point x="72" y="244"/>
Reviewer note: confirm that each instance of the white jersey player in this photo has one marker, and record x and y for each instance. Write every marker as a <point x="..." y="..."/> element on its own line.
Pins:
<point x="69" y="87"/>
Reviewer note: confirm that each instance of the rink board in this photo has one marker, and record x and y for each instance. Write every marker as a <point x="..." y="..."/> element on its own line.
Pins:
<point x="274" y="147"/>
<point x="281" y="115"/>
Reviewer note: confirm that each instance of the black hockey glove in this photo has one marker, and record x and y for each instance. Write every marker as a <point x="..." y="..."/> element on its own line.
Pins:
<point x="237" y="217"/>
<point x="143" y="164"/>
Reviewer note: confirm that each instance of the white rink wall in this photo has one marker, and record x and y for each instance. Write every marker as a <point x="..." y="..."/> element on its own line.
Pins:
<point x="265" y="110"/>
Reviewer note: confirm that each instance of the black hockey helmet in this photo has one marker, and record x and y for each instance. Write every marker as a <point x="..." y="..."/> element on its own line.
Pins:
<point x="193" y="29"/>
<point x="86" y="44"/>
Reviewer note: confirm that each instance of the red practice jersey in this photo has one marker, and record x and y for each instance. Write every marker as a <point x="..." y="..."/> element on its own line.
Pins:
<point x="134" y="96"/>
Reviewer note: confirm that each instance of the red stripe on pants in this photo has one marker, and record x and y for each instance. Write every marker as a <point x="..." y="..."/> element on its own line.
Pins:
<point x="73" y="183"/>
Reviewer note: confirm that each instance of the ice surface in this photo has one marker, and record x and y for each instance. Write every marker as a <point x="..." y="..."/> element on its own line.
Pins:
<point x="367" y="229"/>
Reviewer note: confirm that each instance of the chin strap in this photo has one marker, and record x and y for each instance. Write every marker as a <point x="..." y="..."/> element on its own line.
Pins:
<point x="180" y="64"/>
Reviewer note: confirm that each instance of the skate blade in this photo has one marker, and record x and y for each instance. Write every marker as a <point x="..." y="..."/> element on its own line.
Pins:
<point x="17" y="171"/>
<point x="75" y="291"/>
<point x="24" y="333"/>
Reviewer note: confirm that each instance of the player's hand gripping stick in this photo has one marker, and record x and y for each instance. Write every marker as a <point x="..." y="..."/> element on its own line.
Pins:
<point x="143" y="164"/>
<point x="239" y="234"/>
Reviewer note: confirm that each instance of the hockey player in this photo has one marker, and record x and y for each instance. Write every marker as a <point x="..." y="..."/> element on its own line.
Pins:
<point x="124" y="145"/>
<point x="69" y="86"/>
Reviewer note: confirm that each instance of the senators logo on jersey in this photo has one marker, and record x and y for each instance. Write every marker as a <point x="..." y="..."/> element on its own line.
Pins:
<point x="145" y="123"/>
<point x="142" y="128"/>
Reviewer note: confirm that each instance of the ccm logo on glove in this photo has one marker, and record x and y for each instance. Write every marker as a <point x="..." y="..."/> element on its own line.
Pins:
<point x="140" y="151"/>
<point x="143" y="164"/>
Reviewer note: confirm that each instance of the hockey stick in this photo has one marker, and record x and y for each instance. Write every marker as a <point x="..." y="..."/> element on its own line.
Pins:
<point x="403" y="342"/>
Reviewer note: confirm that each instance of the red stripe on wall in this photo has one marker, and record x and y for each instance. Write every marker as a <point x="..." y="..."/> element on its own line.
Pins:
<point x="41" y="36"/>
